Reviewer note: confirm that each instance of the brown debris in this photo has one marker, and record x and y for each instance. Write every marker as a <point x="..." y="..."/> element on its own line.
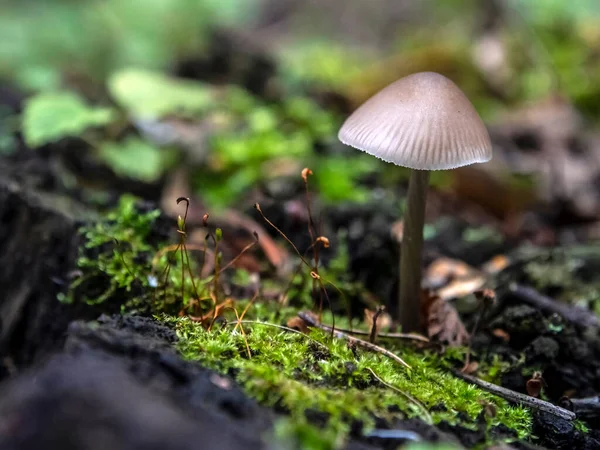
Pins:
<point x="297" y="323"/>
<point x="376" y="321"/>
<point x="451" y="278"/>
<point x="470" y="368"/>
<point x="442" y="321"/>
<point x="501" y="334"/>
<point x="535" y="384"/>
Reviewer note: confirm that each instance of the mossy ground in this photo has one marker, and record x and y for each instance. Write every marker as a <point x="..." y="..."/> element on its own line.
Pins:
<point x="328" y="389"/>
<point x="317" y="379"/>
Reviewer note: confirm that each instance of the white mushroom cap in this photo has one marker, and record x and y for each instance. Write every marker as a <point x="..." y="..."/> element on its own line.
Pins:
<point x="422" y="121"/>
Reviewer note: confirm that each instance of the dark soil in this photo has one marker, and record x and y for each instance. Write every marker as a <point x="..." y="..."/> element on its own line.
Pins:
<point x="119" y="384"/>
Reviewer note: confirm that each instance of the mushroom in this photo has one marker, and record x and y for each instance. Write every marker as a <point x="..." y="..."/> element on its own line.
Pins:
<point x="423" y="122"/>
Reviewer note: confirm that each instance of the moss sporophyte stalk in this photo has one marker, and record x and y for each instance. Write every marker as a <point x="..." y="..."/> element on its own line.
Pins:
<point x="326" y="388"/>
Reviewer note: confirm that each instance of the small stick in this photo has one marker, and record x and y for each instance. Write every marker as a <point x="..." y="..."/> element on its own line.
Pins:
<point x="407" y="396"/>
<point x="309" y="319"/>
<point x="412" y="336"/>
<point x="578" y="316"/>
<point x="373" y="334"/>
<point x="516" y="397"/>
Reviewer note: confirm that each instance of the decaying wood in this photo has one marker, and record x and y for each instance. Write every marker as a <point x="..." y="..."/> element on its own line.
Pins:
<point x="586" y="408"/>
<point x="38" y="248"/>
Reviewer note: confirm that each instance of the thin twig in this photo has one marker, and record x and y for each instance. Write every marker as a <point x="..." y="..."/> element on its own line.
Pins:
<point x="411" y="336"/>
<point x="409" y="397"/>
<point x="373" y="334"/>
<point x="516" y="397"/>
<point x="309" y="319"/>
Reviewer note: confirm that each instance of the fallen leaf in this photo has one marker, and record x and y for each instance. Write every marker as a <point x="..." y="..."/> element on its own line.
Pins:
<point x="461" y="288"/>
<point x="442" y="321"/>
<point x="442" y="270"/>
<point x="297" y="324"/>
<point x="452" y="278"/>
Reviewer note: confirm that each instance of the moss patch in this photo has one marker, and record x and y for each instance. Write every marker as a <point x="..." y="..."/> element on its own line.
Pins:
<point x="328" y="389"/>
<point x="325" y="382"/>
<point x="114" y="260"/>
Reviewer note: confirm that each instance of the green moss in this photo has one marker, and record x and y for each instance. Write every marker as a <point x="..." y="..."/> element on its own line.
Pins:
<point x="564" y="274"/>
<point x="119" y="264"/>
<point x="317" y="381"/>
<point x="316" y="377"/>
<point x="114" y="262"/>
<point x="581" y="426"/>
<point x="289" y="434"/>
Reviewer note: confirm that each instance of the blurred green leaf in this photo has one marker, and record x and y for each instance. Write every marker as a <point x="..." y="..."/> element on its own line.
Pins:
<point x="323" y="62"/>
<point x="152" y="95"/>
<point x="262" y="119"/>
<point x="337" y="177"/>
<point x="95" y="37"/>
<point x="220" y="189"/>
<point x="134" y="158"/>
<point x="49" y="117"/>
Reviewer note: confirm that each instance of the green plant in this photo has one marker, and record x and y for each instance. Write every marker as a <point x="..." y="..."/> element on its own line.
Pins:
<point x="49" y="117"/>
<point x="302" y="373"/>
<point x="149" y="94"/>
<point x="115" y="255"/>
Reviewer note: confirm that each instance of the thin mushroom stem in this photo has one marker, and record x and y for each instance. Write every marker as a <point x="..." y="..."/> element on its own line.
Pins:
<point x="411" y="250"/>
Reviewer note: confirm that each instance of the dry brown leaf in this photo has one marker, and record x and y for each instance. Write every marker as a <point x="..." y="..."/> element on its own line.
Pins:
<point x="461" y="288"/>
<point x="297" y="324"/>
<point x="442" y="321"/>
<point x="445" y="269"/>
<point x="452" y="278"/>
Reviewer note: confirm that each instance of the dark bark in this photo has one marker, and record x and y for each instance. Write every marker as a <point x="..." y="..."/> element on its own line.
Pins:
<point x="38" y="247"/>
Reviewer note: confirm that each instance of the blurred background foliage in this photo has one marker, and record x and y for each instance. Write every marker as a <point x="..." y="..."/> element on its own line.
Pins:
<point x="111" y="72"/>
